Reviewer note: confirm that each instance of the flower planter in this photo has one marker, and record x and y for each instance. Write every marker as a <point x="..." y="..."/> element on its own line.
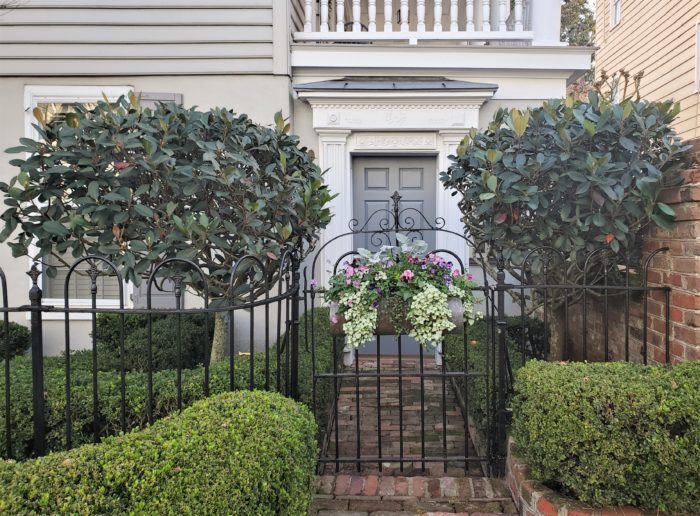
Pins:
<point x="386" y="325"/>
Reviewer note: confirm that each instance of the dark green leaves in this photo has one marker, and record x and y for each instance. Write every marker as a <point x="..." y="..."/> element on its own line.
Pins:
<point x="141" y="185"/>
<point x="569" y="174"/>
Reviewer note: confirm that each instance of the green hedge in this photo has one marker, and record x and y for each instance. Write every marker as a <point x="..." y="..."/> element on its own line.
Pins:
<point x="195" y="339"/>
<point x="478" y="338"/>
<point x="238" y="453"/>
<point x="164" y="387"/>
<point x="20" y="339"/>
<point x="614" y="433"/>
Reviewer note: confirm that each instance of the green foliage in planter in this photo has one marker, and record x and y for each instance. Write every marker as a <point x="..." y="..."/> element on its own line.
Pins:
<point x="614" y="433"/>
<point x="238" y="453"/>
<point x="572" y="175"/>
<point x="195" y="339"/>
<point x="20" y="339"/>
<point x="138" y="185"/>
<point x="164" y="388"/>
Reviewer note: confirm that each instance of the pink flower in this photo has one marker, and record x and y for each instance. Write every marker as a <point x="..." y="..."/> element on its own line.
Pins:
<point x="348" y="281"/>
<point x="314" y="283"/>
<point x="334" y="318"/>
<point x="356" y="283"/>
<point x="121" y="165"/>
<point x="470" y="277"/>
<point x="348" y="302"/>
<point x="407" y="275"/>
<point x="349" y="271"/>
<point x="455" y="273"/>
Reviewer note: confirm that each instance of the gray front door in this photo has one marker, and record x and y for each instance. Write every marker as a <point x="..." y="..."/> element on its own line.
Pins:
<point x="375" y="179"/>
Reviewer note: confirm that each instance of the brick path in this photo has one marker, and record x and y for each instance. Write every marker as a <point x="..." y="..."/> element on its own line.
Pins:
<point x="391" y="433"/>
<point x="373" y="495"/>
<point x="412" y="491"/>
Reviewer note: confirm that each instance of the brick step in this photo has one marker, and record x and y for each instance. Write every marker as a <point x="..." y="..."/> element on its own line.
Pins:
<point x="364" y="495"/>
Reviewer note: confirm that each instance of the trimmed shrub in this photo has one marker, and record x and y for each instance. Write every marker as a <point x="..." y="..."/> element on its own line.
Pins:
<point x="164" y="391"/>
<point x="612" y="433"/>
<point x="238" y="453"/>
<point x="20" y="339"/>
<point x="478" y="339"/>
<point x="194" y="338"/>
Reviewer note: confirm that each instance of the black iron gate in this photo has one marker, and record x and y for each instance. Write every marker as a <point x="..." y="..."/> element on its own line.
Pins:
<point x="452" y="410"/>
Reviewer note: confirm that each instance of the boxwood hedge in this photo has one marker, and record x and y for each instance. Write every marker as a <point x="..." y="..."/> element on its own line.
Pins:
<point x="164" y="388"/>
<point x="237" y="453"/>
<point x="613" y="433"/>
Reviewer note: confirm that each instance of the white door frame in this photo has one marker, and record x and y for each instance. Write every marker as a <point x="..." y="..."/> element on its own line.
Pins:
<point x="427" y="123"/>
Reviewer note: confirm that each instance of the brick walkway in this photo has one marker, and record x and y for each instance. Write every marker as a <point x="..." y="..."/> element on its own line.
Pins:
<point x="348" y="495"/>
<point x="391" y="491"/>
<point x="397" y="438"/>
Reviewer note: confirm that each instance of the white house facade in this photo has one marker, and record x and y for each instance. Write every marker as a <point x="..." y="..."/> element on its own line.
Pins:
<point x="363" y="81"/>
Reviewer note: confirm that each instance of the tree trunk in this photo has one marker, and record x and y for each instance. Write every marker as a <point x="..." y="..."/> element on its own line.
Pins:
<point x="220" y="345"/>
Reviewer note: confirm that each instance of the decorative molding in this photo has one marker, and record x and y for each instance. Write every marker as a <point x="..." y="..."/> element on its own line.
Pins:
<point x="395" y="141"/>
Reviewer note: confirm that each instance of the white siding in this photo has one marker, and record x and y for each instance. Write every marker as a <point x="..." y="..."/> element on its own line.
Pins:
<point x="130" y="37"/>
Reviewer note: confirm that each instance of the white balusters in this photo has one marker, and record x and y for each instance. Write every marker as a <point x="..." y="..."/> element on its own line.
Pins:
<point x="470" y="16"/>
<point x="502" y="16"/>
<point x="486" y="14"/>
<point x="356" y="13"/>
<point x="372" y="12"/>
<point x="416" y="20"/>
<point x="420" y="12"/>
<point x="437" y="14"/>
<point x="454" y="27"/>
<point x="308" y="15"/>
<point x="340" y="16"/>
<point x="518" y="15"/>
<point x="388" y="11"/>
<point x="404" y="15"/>
<point x="324" y="15"/>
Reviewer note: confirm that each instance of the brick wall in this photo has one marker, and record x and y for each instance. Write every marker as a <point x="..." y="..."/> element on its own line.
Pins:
<point x="678" y="268"/>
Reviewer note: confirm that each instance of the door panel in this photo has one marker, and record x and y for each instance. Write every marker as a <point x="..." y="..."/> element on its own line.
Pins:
<point x="375" y="179"/>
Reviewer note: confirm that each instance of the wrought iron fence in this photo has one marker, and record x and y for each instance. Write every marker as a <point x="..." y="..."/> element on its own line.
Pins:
<point x="77" y="399"/>
<point x="267" y="303"/>
<point x="548" y="306"/>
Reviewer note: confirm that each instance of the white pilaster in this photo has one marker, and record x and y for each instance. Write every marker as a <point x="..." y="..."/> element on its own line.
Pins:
<point x="335" y="160"/>
<point x="447" y="206"/>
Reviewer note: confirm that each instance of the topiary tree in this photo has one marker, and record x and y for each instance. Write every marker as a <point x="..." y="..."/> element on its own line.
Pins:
<point x="142" y="185"/>
<point x="569" y="174"/>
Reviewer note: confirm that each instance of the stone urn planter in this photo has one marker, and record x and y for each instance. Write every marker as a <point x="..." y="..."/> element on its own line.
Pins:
<point x="386" y="324"/>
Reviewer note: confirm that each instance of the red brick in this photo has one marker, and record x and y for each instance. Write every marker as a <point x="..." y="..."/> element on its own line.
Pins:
<point x="370" y="487"/>
<point x="688" y="335"/>
<point x="690" y="265"/>
<point x="342" y="484"/>
<point x="418" y="487"/>
<point x="434" y="487"/>
<point x="684" y="300"/>
<point x="401" y="487"/>
<point x="356" y="485"/>
<point x="386" y="486"/>
<point x="673" y="279"/>
<point x="546" y="507"/>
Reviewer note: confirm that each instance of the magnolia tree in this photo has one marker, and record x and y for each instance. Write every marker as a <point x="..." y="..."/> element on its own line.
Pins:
<point x="571" y="175"/>
<point x="138" y="186"/>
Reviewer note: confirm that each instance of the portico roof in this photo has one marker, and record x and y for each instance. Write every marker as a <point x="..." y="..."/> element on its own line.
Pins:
<point x="387" y="84"/>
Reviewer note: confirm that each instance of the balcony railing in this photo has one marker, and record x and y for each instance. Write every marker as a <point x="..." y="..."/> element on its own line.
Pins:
<point x="413" y="20"/>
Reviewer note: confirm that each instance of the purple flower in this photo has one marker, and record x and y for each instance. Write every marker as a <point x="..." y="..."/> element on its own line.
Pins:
<point x="379" y="291"/>
<point x="375" y="304"/>
<point x="314" y="283"/>
<point x="424" y="266"/>
<point x="432" y="271"/>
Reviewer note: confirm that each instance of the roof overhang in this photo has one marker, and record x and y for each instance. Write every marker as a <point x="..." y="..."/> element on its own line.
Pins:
<point x="391" y="103"/>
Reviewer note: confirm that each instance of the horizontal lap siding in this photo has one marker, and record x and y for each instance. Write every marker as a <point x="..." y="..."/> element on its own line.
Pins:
<point x="660" y="40"/>
<point x="81" y="37"/>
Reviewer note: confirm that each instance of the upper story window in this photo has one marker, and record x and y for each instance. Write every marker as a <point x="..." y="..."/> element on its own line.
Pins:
<point x="615" y="12"/>
<point x="56" y="102"/>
